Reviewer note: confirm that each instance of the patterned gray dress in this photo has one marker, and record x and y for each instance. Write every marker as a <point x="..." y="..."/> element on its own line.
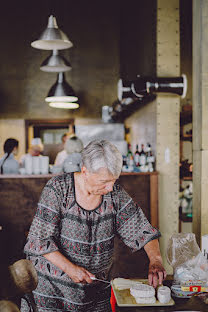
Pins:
<point x="86" y="238"/>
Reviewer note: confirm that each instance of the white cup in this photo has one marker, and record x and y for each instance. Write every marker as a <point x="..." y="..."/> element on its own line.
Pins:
<point x="44" y="164"/>
<point x="28" y="165"/>
<point x="22" y="170"/>
<point x="36" y="165"/>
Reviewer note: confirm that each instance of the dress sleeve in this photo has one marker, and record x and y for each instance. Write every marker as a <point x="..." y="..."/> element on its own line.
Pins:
<point x="131" y="224"/>
<point x="43" y="236"/>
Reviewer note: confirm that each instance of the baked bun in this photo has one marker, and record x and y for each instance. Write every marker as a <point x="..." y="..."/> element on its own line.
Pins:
<point x="123" y="283"/>
<point x="145" y="300"/>
<point x="142" y="291"/>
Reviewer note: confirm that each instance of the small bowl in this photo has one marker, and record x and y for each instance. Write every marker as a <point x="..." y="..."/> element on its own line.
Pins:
<point x="177" y="292"/>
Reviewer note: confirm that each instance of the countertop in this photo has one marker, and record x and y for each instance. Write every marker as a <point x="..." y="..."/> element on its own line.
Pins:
<point x="50" y="175"/>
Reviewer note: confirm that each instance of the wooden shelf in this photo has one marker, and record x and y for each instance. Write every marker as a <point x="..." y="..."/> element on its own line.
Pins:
<point x="186" y="137"/>
<point x="139" y="173"/>
<point x="187" y="178"/>
<point x="184" y="218"/>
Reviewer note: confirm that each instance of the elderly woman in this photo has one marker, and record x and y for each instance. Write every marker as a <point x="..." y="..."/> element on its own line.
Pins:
<point x="71" y="239"/>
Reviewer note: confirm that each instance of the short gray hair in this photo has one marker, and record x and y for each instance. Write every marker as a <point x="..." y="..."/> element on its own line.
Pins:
<point x="73" y="145"/>
<point x="102" y="154"/>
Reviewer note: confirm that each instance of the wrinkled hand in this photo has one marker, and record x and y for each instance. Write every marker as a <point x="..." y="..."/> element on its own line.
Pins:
<point x="156" y="273"/>
<point x="80" y="275"/>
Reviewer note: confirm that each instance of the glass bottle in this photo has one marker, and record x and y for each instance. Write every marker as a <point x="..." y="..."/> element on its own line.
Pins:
<point x="136" y="156"/>
<point x="142" y="157"/>
<point x="129" y="155"/>
<point x="150" y="158"/>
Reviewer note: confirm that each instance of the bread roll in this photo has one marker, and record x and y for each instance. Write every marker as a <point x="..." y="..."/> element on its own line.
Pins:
<point x="145" y="300"/>
<point x="123" y="283"/>
<point x="142" y="291"/>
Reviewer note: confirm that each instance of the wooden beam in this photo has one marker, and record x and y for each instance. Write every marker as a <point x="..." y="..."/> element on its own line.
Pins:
<point x="200" y="118"/>
<point x="168" y="116"/>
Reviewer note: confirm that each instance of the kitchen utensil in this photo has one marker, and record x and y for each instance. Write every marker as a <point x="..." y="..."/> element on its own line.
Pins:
<point x="98" y="279"/>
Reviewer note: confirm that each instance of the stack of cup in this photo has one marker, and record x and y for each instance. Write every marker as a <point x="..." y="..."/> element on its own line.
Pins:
<point x="28" y="165"/>
<point x="44" y="164"/>
<point x="36" y="165"/>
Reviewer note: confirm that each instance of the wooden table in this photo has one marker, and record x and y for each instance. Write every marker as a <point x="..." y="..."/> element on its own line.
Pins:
<point x="191" y="305"/>
<point x="181" y="304"/>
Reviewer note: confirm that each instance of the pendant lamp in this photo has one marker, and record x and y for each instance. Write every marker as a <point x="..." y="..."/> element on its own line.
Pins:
<point x="52" y="38"/>
<point x="55" y="63"/>
<point x="65" y="105"/>
<point x="61" y="91"/>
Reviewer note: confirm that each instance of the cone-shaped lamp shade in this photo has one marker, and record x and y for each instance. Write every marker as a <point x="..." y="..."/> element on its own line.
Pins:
<point x="61" y="91"/>
<point x="52" y="38"/>
<point x="55" y="63"/>
<point x="65" y="105"/>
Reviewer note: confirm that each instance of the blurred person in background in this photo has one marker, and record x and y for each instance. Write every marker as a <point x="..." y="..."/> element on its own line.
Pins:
<point x="36" y="148"/>
<point x="8" y="164"/>
<point x="73" y="148"/>
<point x="60" y="157"/>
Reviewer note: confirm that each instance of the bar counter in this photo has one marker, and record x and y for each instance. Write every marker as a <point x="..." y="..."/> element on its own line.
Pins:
<point x="19" y="195"/>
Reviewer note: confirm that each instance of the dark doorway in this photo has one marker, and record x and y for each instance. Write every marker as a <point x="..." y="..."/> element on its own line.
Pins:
<point x="50" y="131"/>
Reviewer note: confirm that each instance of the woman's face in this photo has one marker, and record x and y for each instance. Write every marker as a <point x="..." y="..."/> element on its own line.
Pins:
<point x="34" y="151"/>
<point x="15" y="150"/>
<point x="99" y="183"/>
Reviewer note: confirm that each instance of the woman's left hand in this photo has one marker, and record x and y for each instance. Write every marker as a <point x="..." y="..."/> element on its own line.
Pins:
<point x="156" y="273"/>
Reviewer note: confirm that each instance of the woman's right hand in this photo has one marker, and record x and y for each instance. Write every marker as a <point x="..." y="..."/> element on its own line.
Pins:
<point x="80" y="275"/>
<point x="76" y="273"/>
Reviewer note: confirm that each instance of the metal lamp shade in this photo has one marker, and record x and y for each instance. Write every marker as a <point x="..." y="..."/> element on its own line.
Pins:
<point x="61" y="91"/>
<point x="55" y="63"/>
<point x="52" y="38"/>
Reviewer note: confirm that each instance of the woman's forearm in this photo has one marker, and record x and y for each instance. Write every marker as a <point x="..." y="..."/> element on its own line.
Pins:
<point x="153" y="250"/>
<point x="60" y="261"/>
<point x="157" y="272"/>
<point x="76" y="273"/>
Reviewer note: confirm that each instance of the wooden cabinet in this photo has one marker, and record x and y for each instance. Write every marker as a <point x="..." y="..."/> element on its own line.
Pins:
<point x="20" y="195"/>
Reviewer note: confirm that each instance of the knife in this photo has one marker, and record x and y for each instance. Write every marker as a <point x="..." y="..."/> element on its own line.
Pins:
<point x="98" y="279"/>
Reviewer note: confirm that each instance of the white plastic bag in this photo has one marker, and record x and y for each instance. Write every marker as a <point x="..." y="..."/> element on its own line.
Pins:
<point x="184" y="255"/>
